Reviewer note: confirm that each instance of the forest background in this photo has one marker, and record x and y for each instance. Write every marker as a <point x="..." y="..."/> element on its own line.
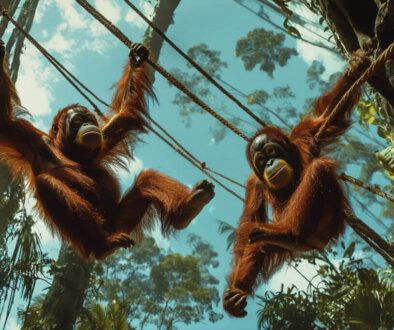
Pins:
<point x="275" y="56"/>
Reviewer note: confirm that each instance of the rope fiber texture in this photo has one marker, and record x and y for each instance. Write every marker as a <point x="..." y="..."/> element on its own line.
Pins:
<point x="367" y="233"/>
<point x="196" y="65"/>
<point x="115" y="31"/>
<point x="54" y="62"/>
<point x="181" y="150"/>
<point x="383" y="57"/>
<point x="372" y="238"/>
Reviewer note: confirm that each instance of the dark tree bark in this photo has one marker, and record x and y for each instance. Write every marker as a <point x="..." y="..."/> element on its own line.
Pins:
<point x="11" y="6"/>
<point x="13" y="189"/>
<point x="65" y="297"/>
<point x="11" y="192"/>
<point x="369" y="25"/>
<point x="26" y="16"/>
<point x="64" y="300"/>
<point x="10" y="196"/>
<point x="25" y="19"/>
<point x="163" y="16"/>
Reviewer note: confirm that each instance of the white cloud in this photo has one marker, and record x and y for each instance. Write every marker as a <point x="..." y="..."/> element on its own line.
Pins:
<point x="46" y="236"/>
<point x="12" y="324"/>
<point x="127" y="177"/>
<point x="147" y="8"/>
<point x="73" y="17"/>
<point x="134" y="166"/>
<point x="160" y="240"/>
<point x="60" y="43"/>
<point x="109" y="9"/>
<point x="289" y="276"/>
<point x="42" y="7"/>
<point x="34" y="82"/>
<point x="308" y="52"/>
<point x="97" y="29"/>
<point x="133" y="18"/>
<point x="39" y="123"/>
<point x="68" y="43"/>
<point x="42" y="230"/>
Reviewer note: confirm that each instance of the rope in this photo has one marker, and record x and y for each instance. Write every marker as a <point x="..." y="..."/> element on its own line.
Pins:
<point x="388" y="53"/>
<point x="116" y="32"/>
<point x="202" y="165"/>
<point x="53" y="61"/>
<point x="357" y="182"/>
<point x="196" y="65"/>
<point x="196" y="165"/>
<point x="181" y="87"/>
<point x="371" y="238"/>
<point x="182" y="151"/>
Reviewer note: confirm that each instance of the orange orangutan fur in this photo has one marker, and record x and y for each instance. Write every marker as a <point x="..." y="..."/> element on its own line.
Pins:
<point x="311" y="211"/>
<point x="76" y="190"/>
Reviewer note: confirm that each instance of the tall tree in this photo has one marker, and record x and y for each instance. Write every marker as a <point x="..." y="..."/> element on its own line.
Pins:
<point x="146" y="286"/>
<point x="161" y="288"/>
<point x="21" y="267"/>
<point x="17" y="39"/>
<point x="368" y="25"/>
<point x="63" y="310"/>
<point x="353" y="296"/>
<point x="11" y="6"/>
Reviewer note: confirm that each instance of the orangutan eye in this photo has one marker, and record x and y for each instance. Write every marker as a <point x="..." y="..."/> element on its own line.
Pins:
<point x="270" y="151"/>
<point x="259" y="160"/>
<point x="90" y="120"/>
<point x="77" y="120"/>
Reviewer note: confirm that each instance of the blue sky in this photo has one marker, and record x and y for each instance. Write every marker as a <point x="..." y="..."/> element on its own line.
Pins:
<point x="97" y="58"/>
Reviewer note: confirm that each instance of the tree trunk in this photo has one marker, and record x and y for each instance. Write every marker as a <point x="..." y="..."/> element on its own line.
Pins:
<point x="25" y="20"/>
<point x="65" y="297"/>
<point x="11" y="6"/>
<point x="162" y="18"/>
<point x="26" y="15"/>
<point x="12" y="193"/>
<point x="368" y="25"/>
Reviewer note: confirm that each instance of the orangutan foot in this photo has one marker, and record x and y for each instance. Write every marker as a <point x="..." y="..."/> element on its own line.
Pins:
<point x="200" y="196"/>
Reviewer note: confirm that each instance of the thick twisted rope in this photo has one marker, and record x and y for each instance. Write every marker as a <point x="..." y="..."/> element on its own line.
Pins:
<point x="357" y="182"/>
<point x="387" y="54"/>
<point x="64" y="72"/>
<point x="367" y="233"/>
<point x="371" y="238"/>
<point x="116" y="32"/>
<point x="179" y="151"/>
<point x="196" y="65"/>
<point x="201" y="164"/>
<point x="54" y="62"/>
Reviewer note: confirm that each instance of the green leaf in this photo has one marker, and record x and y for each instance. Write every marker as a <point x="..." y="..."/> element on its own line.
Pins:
<point x="350" y="250"/>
